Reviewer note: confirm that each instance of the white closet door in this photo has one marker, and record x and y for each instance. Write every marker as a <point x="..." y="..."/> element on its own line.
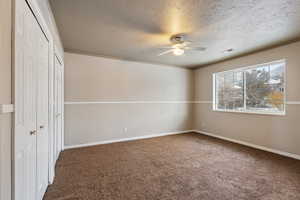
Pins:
<point x="58" y="108"/>
<point x="55" y="136"/>
<point x="25" y="104"/>
<point x="60" y="111"/>
<point x="42" y="115"/>
<point x="31" y="106"/>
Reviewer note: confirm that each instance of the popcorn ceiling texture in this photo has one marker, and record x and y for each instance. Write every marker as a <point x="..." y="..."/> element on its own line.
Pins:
<point x="135" y="29"/>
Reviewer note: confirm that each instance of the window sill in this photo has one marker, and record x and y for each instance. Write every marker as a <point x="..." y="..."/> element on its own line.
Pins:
<point x="254" y="112"/>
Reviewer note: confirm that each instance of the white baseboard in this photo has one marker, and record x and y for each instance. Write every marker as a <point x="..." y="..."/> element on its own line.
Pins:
<point x="287" y="154"/>
<point x="125" y="139"/>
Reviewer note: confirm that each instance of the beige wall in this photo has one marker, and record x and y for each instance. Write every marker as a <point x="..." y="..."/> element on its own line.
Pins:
<point x="5" y="98"/>
<point x="277" y="132"/>
<point x="89" y="78"/>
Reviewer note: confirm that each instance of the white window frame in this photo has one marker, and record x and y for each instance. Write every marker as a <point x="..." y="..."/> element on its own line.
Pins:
<point x="282" y="113"/>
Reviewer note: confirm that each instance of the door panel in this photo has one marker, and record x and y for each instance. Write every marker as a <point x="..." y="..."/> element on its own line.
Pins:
<point x="30" y="165"/>
<point x="55" y="154"/>
<point x="42" y="115"/>
<point x="58" y="108"/>
<point x="59" y="118"/>
<point x="25" y="104"/>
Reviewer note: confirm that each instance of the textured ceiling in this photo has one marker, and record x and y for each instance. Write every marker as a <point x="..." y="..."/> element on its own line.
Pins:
<point x="136" y="29"/>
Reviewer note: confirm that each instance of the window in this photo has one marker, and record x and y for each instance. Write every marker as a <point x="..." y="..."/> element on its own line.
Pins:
<point x="255" y="89"/>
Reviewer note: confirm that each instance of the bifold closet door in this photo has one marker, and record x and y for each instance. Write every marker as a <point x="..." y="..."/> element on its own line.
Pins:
<point x="30" y="162"/>
<point x="42" y="114"/>
<point x="25" y="104"/>
<point x="58" y="106"/>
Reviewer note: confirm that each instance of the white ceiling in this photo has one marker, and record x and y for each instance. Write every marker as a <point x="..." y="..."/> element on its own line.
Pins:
<point x="135" y="29"/>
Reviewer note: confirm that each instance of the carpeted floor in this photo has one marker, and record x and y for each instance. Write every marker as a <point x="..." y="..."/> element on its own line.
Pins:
<point x="179" y="167"/>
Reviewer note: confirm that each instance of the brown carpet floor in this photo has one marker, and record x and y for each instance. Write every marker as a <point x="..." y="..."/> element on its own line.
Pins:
<point x="179" y="167"/>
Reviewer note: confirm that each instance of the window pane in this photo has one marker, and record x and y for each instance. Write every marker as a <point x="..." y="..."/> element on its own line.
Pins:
<point x="220" y="91"/>
<point x="238" y="94"/>
<point x="276" y="83"/>
<point x="229" y="89"/>
<point x="264" y="88"/>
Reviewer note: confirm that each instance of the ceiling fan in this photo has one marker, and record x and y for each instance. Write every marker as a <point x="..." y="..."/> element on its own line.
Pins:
<point x="179" y="45"/>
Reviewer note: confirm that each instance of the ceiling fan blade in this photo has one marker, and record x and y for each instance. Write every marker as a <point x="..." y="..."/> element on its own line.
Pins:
<point x="166" y="47"/>
<point x="196" y="48"/>
<point x="165" y="52"/>
<point x="186" y="43"/>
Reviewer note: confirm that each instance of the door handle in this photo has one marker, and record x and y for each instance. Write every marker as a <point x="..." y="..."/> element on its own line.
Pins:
<point x="33" y="132"/>
<point x="42" y="126"/>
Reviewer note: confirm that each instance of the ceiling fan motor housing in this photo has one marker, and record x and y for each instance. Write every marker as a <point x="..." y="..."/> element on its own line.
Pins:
<point x="178" y="38"/>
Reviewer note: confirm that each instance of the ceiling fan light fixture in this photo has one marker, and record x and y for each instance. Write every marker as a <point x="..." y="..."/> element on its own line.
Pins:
<point x="178" y="52"/>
